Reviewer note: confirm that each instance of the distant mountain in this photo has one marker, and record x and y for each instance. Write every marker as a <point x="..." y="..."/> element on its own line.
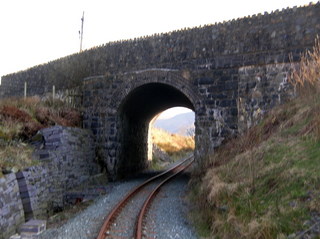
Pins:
<point x="181" y="124"/>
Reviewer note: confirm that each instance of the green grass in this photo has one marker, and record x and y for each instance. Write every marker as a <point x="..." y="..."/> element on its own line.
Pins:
<point x="277" y="152"/>
<point x="200" y="220"/>
<point x="156" y="164"/>
<point x="294" y="129"/>
<point x="311" y="161"/>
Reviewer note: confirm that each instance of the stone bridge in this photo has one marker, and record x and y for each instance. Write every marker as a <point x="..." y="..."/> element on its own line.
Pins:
<point x="230" y="74"/>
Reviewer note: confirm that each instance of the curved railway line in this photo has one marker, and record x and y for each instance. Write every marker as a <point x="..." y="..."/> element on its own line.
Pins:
<point x="127" y="219"/>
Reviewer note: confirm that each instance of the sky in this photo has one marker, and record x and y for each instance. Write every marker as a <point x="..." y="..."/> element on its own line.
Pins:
<point x="33" y="32"/>
<point x="169" y="113"/>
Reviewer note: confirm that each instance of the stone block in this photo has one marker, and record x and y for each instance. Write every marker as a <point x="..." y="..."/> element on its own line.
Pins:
<point x="205" y="81"/>
<point x="22" y="183"/>
<point x="27" y="207"/>
<point x="24" y="191"/>
<point x="44" y="155"/>
<point x="16" y="236"/>
<point x="32" y="228"/>
<point x="2" y="180"/>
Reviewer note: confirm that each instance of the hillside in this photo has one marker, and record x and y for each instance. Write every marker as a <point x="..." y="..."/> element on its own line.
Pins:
<point x="266" y="183"/>
<point x="182" y="124"/>
<point x="173" y="144"/>
<point x="20" y="119"/>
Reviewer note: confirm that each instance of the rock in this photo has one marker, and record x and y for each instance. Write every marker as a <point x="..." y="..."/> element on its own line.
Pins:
<point x="160" y="154"/>
<point x="224" y="208"/>
<point x="14" y="169"/>
<point x="292" y="236"/>
<point x="15" y="236"/>
<point x="6" y="170"/>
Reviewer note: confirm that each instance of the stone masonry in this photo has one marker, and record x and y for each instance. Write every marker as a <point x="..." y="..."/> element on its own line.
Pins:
<point x="67" y="159"/>
<point x="229" y="73"/>
<point x="11" y="210"/>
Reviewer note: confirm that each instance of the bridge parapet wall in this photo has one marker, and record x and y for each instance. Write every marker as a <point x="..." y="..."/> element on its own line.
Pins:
<point x="256" y="40"/>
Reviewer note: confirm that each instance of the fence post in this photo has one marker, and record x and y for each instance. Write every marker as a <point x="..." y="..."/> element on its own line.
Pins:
<point x="53" y="92"/>
<point x="25" y="90"/>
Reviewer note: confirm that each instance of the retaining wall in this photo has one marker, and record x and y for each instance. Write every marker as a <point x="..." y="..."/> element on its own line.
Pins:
<point x="67" y="157"/>
<point x="11" y="210"/>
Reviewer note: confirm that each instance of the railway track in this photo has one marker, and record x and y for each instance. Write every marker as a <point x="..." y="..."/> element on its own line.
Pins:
<point x="127" y="219"/>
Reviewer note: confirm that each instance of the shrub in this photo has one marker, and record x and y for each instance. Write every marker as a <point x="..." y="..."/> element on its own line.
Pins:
<point x="305" y="76"/>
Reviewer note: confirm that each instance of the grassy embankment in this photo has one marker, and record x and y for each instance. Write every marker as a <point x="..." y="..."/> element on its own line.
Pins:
<point x="266" y="183"/>
<point x="20" y="119"/>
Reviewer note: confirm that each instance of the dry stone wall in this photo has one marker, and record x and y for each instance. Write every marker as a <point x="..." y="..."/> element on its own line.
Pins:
<point x="67" y="157"/>
<point x="11" y="210"/>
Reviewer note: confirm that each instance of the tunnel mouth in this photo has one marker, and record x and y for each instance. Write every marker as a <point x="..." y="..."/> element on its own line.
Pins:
<point x="135" y="113"/>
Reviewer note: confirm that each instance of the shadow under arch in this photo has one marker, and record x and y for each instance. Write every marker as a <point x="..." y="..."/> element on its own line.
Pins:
<point x="135" y="113"/>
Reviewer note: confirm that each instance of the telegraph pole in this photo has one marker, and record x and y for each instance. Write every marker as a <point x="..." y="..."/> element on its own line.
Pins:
<point x="81" y="32"/>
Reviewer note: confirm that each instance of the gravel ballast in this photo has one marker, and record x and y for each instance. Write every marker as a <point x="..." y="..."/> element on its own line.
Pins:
<point x="170" y="213"/>
<point x="86" y="224"/>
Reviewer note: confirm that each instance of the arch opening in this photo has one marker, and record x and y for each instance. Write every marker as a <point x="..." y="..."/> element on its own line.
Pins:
<point x="171" y="136"/>
<point x="135" y="113"/>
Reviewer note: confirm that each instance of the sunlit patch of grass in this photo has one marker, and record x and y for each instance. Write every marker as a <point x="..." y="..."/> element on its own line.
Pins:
<point x="176" y="146"/>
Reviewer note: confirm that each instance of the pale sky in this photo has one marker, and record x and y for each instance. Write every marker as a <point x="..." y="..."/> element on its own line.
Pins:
<point x="169" y="113"/>
<point x="33" y="32"/>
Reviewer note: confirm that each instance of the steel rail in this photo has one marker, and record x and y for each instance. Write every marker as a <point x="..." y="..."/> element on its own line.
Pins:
<point x="117" y="209"/>
<point x="148" y="202"/>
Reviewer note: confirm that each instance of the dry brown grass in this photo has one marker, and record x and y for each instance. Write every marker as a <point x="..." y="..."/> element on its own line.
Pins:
<point x="172" y="143"/>
<point x="306" y="76"/>
<point x="15" y="154"/>
<point x="22" y="118"/>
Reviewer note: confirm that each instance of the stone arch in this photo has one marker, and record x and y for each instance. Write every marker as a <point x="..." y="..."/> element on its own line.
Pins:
<point x="177" y="79"/>
<point x="136" y="101"/>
